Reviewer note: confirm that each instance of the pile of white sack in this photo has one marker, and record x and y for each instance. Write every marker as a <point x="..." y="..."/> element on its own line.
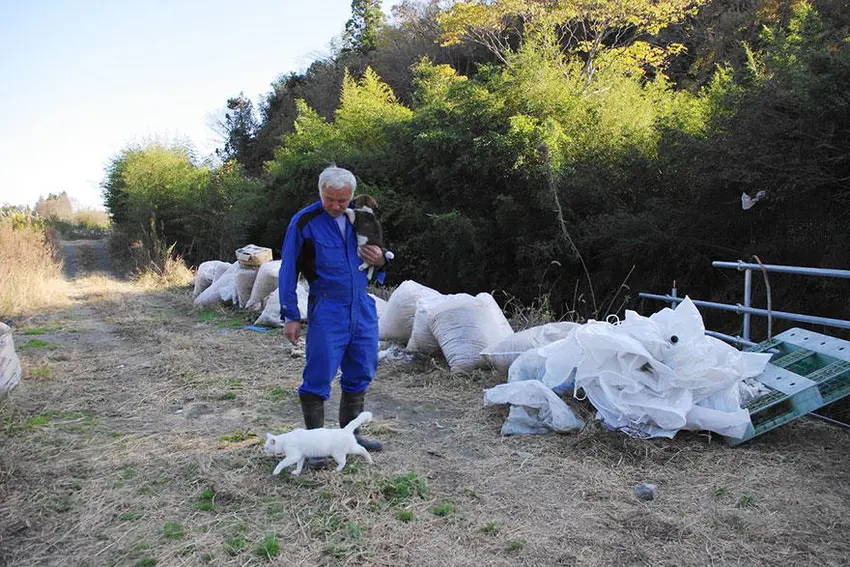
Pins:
<point x="461" y="326"/>
<point x="253" y="288"/>
<point x="646" y="376"/>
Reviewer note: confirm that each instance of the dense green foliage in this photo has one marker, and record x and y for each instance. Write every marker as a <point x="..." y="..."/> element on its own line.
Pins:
<point x="549" y="151"/>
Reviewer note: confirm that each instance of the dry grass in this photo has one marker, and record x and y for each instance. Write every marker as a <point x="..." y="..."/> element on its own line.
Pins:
<point x="173" y="272"/>
<point x="135" y="435"/>
<point x="30" y="274"/>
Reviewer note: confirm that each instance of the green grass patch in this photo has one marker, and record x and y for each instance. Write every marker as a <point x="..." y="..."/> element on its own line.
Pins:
<point x="443" y="509"/>
<point x="516" y="545"/>
<point x="36" y="331"/>
<point x="173" y="530"/>
<point x="745" y="501"/>
<point x="130" y="516"/>
<point x="404" y="487"/>
<point x="237" y="435"/>
<point x="145" y="562"/>
<point x="404" y="515"/>
<point x="206" y="500"/>
<point x="127" y="474"/>
<point x="234" y="545"/>
<point x="490" y="528"/>
<point x="34" y="344"/>
<point x="227" y="396"/>
<point x="279" y="394"/>
<point x="41" y="372"/>
<point x="69" y="420"/>
<point x="221" y="320"/>
<point x="267" y="548"/>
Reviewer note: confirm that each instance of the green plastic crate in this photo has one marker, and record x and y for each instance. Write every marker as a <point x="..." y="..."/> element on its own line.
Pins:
<point x="807" y="371"/>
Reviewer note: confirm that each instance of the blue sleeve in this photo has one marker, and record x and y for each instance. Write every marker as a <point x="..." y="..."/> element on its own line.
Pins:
<point x="381" y="273"/>
<point x="288" y="276"/>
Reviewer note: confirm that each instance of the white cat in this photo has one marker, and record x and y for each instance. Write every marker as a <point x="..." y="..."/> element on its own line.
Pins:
<point x="301" y="444"/>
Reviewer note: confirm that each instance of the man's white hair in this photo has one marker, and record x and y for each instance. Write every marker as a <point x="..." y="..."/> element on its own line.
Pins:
<point x="334" y="177"/>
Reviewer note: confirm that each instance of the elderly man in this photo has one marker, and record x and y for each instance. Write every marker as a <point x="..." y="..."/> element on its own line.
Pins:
<point x="343" y="333"/>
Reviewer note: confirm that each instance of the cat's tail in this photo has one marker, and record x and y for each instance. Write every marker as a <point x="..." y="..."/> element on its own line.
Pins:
<point x="362" y="418"/>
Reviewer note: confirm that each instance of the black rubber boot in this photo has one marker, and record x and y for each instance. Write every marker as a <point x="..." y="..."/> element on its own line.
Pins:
<point x="350" y="406"/>
<point x="313" y="408"/>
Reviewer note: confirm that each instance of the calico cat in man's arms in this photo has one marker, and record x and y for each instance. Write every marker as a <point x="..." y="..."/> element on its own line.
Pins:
<point x="361" y="215"/>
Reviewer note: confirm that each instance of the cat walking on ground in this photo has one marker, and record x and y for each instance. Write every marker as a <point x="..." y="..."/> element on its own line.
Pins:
<point x="302" y="444"/>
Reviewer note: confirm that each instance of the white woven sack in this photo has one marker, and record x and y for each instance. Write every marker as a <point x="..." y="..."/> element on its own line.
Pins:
<point x="10" y="365"/>
<point x="464" y="326"/>
<point x="397" y="322"/>
<point x="264" y="284"/>
<point x="421" y="338"/>
<point x="502" y="354"/>
<point x="270" y="317"/>
<point x="380" y="305"/>
<point x="221" y="268"/>
<point x="213" y="294"/>
<point x="206" y="274"/>
<point x="244" y="281"/>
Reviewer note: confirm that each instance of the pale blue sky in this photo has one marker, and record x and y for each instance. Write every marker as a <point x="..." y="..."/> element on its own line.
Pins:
<point x="82" y="79"/>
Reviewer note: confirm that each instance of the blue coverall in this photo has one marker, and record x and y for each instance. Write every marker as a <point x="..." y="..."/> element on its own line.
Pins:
<point x="342" y="319"/>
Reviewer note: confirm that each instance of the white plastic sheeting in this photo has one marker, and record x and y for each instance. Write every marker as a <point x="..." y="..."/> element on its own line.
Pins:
<point x="502" y="354"/>
<point x="649" y="376"/>
<point x="534" y="408"/>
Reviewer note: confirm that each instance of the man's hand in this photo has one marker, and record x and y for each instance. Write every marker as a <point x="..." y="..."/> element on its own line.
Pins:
<point x="372" y="255"/>
<point x="293" y="330"/>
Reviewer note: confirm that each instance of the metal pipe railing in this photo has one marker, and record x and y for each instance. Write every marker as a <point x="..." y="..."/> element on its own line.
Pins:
<point x="811" y="319"/>
<point x="730" y="338"/>
<point x="801" y="270"/>
<point x="748" y="288"/>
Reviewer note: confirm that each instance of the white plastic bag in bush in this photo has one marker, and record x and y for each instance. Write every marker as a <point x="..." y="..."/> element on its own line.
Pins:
<point x="397" y="322"/>
<point x="464" y="326"/>
<point x="502" y="354"/>
<point x="10" y="365"/>
<point x="264" y="284"/>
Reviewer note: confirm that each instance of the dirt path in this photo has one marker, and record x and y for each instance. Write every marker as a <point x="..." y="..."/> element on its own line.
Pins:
<point x="135" y="438"/>
<point x="83" y="257"/>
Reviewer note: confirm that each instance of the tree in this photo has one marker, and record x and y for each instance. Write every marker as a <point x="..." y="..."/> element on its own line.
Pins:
<point x="593" y="31"/>
<point x="361" y="31"/>
<point x="240" y="126"/>
<point x="55" y="206"/>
